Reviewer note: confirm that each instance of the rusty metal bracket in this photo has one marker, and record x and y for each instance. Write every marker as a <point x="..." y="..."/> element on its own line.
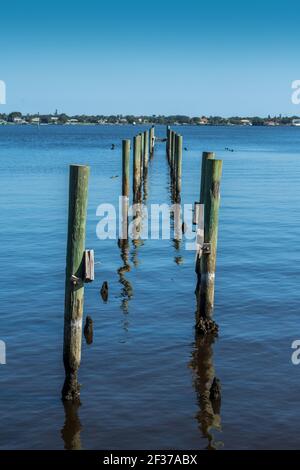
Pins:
<point x="206" y="248"/>
<point x="76" y="281"/>
<point x="197" y="213"/>
<point x="89" y="266"/>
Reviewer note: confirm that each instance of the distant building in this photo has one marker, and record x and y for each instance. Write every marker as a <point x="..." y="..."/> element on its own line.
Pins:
<point x="296" y="122"/>
<point x="35" y="120"/>
<point x="72" y="121"/>
<point x="19" y="120"/>
<point x="271" y="123"/>
<point x="54" y="119"/>
<point x="246" y="122"/>
<point x="203" y="121"/>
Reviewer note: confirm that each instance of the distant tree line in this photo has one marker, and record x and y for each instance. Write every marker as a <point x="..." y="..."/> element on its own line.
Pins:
<point x="145" y="119"/>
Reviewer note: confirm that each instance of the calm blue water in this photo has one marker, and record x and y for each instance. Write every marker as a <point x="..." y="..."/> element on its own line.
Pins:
<point x="142" y="377"/>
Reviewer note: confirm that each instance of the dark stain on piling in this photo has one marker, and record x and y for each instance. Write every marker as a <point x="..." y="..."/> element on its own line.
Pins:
<point x="104" y="291"/>
<point x="88" y="330"/>
<point x="215" y="189"/>
<point x="71" y="388"/>
<point x="206" y="326"/>
<point x="215" y="390"/>
<point x="215" y="395"/>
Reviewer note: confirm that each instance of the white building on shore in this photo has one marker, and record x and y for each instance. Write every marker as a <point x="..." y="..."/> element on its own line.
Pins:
<point x="246" y="122"/>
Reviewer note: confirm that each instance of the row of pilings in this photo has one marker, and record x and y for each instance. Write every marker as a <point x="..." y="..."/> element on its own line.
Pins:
<point x="174" y="157"/>
<point x="80" y="261"/>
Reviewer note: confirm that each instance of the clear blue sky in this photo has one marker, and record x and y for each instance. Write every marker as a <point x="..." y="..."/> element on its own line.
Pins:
<point x="150" y="57"/>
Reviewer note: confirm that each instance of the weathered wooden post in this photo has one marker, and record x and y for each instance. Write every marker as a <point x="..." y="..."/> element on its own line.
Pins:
<point x="152" y="141"/>
<point x="74" y="287"/>
<point x="173" y="151"/>
<point x="123" y="241"/>
<point x="211" y="220"/>
<point x="205" y="156"/>
<point x="168" y="143"/>
<point x="170" y="146"/>
<point x="174" y="172"/>
<point x="176" y="159"/>
<point x="125" y="167"/>
<point x="178" y="165"/>
<point x="173" y="169"/>
<point x="142" y="154"/>
<point x="146" y="151"/>
<point x="136" y="168"/>
<point x="125" y="186"/>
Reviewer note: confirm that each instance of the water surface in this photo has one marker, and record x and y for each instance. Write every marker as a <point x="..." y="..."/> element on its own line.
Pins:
<point x="143" y="376"/>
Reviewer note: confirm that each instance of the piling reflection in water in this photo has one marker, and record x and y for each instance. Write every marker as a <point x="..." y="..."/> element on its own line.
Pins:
<point x="178" y="258"/>
<point x="70" y="432"/>
<point x="134" y="253"/>
<point x="208" y="390"/>
<point x="127" y="291"/>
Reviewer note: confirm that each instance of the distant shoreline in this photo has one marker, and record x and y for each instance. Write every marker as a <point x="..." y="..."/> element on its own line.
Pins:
<point x="83" y="124"/>
<point x="17" y="118"/>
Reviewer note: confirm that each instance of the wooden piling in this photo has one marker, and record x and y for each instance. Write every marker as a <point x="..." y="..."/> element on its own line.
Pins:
<point x="168" y="131"/>
<point x="205" y="156"/>
<point x="125" y="186"/>
<point x="74" y="286"/>
<point x="170" y="146"/>
<point x="173" y="151"/>
<point x="146" y="151"/>
<point x="151" y="141"/>
<point x="213" y="170"/>
<point x="178" y="165"/>
<point x="136" y="168"/>
<point x="142" y="154"/>
<point x="176" y="159"/>
<point x="173" y="165"/>
<point x="125" y="167"/>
